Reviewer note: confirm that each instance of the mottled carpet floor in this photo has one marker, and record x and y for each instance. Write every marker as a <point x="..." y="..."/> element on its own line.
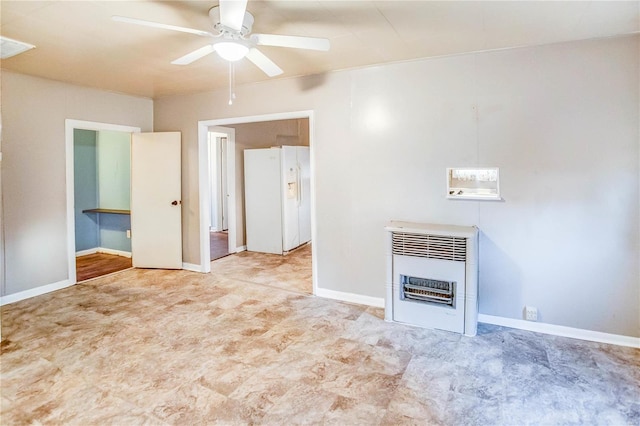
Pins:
<point x="239" y="346"/>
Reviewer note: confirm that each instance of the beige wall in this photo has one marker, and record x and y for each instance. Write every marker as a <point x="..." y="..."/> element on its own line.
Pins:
<point x="34" y="166"/>
<point x="561" y="122"/>
<point x="263" y="134"/>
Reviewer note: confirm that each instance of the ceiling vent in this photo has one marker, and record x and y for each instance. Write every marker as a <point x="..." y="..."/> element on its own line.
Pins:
<point x="10" y="47"/>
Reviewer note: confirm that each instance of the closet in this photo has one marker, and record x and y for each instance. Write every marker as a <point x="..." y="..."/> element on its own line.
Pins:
<point x="102" y="191"/>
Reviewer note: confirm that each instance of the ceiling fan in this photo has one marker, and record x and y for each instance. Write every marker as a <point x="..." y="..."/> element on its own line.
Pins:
<point x="233" y="41"/>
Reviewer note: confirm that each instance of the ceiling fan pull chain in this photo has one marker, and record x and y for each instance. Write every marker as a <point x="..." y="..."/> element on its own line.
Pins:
<point x="232" y="82"/>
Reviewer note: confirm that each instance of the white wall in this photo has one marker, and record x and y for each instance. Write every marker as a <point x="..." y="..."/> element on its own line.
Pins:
<point x="567" y="141"/>
<point x="114" y="169"/>
<point x="33" y="169"/>
<point x="561" y="122"/>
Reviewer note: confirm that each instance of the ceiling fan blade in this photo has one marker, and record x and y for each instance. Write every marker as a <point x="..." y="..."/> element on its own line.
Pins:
<point x="163" y="26"/>
<point x="296" y="42"/>
<point x="264" y="63"/>
<point x="232" y="13"/>
<point x="194" y="56"/>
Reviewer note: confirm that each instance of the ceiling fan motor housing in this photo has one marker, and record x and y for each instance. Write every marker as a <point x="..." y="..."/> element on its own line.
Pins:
<point x="247" y="22"/>
<point x="232" y="41"/>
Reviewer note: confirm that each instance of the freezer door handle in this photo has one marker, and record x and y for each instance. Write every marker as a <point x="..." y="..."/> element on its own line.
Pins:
<point x="299" y="184"/>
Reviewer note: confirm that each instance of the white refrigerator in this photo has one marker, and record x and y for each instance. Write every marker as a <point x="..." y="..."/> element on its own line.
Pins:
<point x="277" y="198"/>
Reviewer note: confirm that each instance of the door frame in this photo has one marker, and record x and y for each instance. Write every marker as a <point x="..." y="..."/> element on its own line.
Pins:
<point x="223" y="197"/>
<point x="204" y="189"/>
<point x="204" y="180"/>
<point x="69" y="126"/>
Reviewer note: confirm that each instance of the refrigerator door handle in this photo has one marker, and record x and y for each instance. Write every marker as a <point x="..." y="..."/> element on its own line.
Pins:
<point x="299" y="183"/>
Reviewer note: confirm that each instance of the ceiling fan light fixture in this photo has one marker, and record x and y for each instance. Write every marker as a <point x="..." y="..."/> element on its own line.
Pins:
<point x="230" y="50"/>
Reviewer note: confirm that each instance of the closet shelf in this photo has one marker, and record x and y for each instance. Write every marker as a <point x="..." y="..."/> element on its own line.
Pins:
<point x="110" y="211"/>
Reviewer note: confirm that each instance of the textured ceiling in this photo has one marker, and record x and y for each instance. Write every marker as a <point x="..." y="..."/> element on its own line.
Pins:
<point x="77" y="42"/>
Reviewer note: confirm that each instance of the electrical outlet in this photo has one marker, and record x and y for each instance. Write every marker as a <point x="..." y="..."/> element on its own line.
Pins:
<point x="128" y="233"/>
<point x="530" y="313"/>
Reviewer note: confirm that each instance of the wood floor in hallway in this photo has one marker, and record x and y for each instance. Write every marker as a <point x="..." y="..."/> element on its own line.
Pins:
<point x="219" y="244"/>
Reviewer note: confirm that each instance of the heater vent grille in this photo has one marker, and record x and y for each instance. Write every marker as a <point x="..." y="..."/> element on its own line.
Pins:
<point x="429" y="246"/>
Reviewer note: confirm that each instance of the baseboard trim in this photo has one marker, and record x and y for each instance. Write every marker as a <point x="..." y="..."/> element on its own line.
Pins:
<point x="38" y="291"/>
<point x="105" y="251"/>
<point x="559" y="330"/>
<point x="241" y="248"/>
<point x="113" y="251"/>
<point x="360" y="299"/>
<point x="192" y="267"/>
<point x="87" y="252"/>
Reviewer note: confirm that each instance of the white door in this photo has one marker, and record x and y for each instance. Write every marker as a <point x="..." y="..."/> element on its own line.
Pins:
<point x="156" y="211"/>
<point x="262" y="200"/>
<point x="223" y="191"/>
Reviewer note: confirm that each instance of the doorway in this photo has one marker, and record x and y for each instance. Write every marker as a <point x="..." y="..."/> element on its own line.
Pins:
<point x="234" y="188"/>
<point x="102" y="178"/>
<point x="219" y="224"/>
<point x="155" y="184"/>
<point x="97" y="239"/>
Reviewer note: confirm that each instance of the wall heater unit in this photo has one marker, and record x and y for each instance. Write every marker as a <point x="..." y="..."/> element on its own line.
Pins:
<point x="432" y="276"/>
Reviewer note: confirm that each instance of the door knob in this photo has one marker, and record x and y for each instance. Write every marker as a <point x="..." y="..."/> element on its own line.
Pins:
<point x="174" y="203"/>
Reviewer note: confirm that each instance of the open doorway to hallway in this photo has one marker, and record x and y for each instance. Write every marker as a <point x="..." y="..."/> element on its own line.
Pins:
<point x="258" y="132"/>
<point x="219" y="223"/>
